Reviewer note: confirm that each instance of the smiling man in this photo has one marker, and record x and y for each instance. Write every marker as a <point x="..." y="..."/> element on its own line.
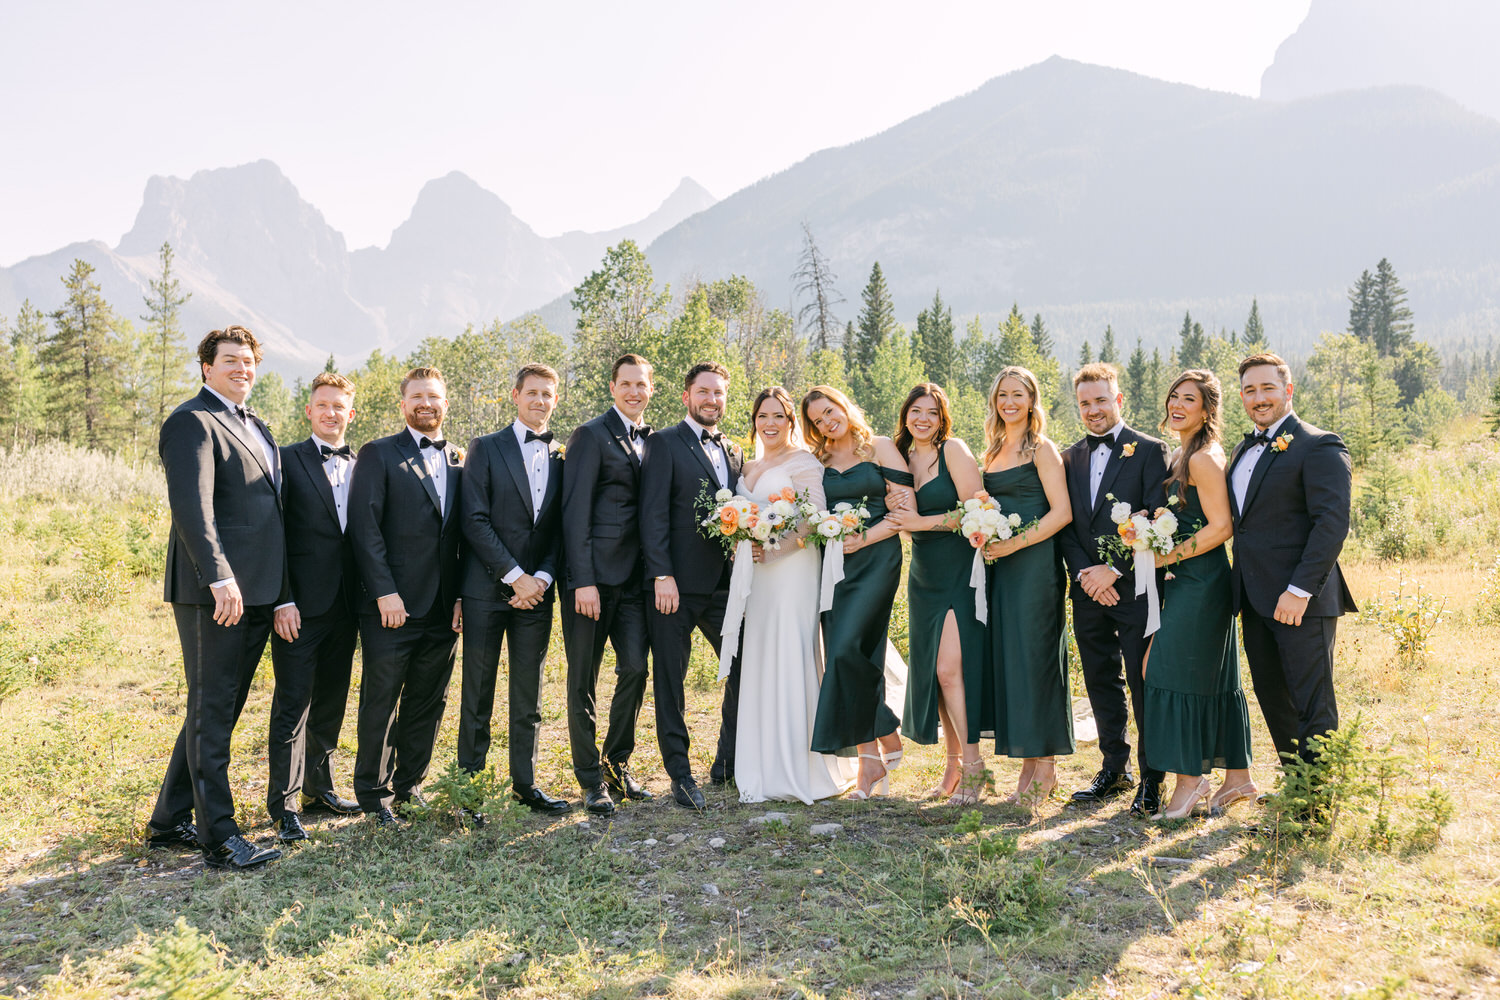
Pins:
<point x="226" y="573"/>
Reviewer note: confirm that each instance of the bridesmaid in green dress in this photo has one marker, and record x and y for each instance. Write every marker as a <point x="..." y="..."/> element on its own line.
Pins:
<point x="1026" y="699"/>
<point x="948" y="645"/>
<point x="860" y="468"/>
<point x="1199" y="719"/>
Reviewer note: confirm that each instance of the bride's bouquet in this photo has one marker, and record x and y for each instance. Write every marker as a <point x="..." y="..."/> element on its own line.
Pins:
<point x="785" y="513"/>
<point x="835" y="525"/>
<point x="1140" y="539"/>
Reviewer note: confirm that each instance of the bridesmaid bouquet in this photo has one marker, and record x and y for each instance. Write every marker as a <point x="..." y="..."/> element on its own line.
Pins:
<point x="835" y="525"/>
<point x="981" y="521"/>
<point x="1141" y="539"/>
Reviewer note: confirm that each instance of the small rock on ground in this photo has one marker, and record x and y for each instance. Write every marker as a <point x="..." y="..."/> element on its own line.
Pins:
<point x="825" y="829"/>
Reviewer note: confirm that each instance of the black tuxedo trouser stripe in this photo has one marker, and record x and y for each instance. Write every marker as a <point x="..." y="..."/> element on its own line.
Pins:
<point x="1291" y="667"/>
<point x="671" y="648"/>
<point x="219" y="662"/>
<point x="489" y="625"/>
<point x="402" y="694"/>
<point x="307" y="707"/>
<point x="1111" y="647"/>
<point x="622" y="622"/>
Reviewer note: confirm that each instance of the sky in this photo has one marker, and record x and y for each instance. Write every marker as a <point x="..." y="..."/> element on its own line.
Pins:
<point x="581" y="115"/>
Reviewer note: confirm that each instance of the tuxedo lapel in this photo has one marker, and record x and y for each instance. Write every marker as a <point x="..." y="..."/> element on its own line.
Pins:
<point x="451" y="487"/>
<point x="312" y="467"/>
<point x="1112" y="467"/>
<point x="1267" y="456"/>
<point x="554" y="475"/>
<point x="1234" y="460"/>
<point x="510" y="454"/>
<point x="695" y="445"/>
<point x="617" y="430"/>
<point x="1078" y="487"/>
<point x="241" y="434"/>
<point x="413" y="461"/>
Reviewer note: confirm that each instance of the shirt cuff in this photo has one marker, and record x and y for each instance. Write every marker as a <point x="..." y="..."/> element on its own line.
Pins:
<point x="1117" y="573"/>
<point x="546" y="579"/>
<point x="1297" y="592"/>
<point x="288" y="604"/>
<point x="515" y="574"/>
<point x="222" y="583"/>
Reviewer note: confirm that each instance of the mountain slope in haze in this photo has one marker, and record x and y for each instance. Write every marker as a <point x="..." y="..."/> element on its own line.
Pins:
<point x="1067" y="185"/>
<point x="1447" y="45"/>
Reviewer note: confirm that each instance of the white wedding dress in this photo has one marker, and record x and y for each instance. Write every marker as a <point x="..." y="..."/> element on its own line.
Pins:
<point x="781" y="665"/>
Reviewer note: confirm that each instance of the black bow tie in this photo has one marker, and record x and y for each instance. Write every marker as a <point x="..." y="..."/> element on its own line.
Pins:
<point x="714" y="436"/>
<point x="242" y="413"/>
<point x="545" y="437"/>
<point x="640" y="433"/>
<point x="343" y="451"/>
<point x="1253" y="438"/>
<point x="1095" y="440"/>
<point x="439" y="444"/>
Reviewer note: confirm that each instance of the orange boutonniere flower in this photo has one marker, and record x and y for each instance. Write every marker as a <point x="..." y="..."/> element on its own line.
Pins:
<point x="561" y="451"/>
<point x="1128" y="450"/>
<point x="460" y="454"/>
<point x="1281" y="442"/>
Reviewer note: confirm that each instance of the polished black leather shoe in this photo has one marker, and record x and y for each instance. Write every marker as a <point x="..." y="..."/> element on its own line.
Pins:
<point x="238" y="854"/>
<point x="181" y="835"/>
<point x="597" y="801"/>
<point x="623" y="785"/>
<point x="1106" y="785"/>
<point x="289" y="828"/>
<point x="688" y="795"/>
<point x="536" y="800"/>
<point x="1147" y="798"/>
<point x="472" y="818"/>
<point x="330" y="802"/>
<point x="384" y="817"/>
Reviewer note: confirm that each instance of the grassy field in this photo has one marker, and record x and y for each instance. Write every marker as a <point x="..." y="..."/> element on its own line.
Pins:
<point x="906" y="899"/>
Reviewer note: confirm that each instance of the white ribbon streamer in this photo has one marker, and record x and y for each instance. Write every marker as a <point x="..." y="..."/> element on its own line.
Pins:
<point x="833" y="573"/>
<point x="734" y="611"/>
<point x="976" y="580"/>
<point x="1145" y="583"/>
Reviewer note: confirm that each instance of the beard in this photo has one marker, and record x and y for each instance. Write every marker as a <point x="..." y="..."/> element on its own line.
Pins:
<point x="704" y="420"/>
<point x="425" y="422"/>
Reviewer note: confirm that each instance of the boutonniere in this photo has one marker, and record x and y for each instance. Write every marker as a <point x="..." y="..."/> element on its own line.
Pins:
<point x="1128" y="450"/>
<point x="459" y="454"/>
<point x="1281" y="442"/>
<point x="559" y="451"/>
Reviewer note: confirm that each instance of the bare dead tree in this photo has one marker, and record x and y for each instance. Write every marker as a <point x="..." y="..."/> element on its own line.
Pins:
<point x="815" y="283"/>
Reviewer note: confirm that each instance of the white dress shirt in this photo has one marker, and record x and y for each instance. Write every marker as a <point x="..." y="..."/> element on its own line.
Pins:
<point x="337" y="469"/>
<point x="638" y="443"/>
<point x="1098" y="459"/>
<point x="716" y="454"/>
<point x="535" y="456"/>
<point x="1245" y="469"/>
<point x="436" y="460"/>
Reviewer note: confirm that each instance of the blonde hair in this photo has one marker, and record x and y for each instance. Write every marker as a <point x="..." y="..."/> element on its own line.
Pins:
<point x="859" y="427"/>
<point x="1036" y="419"/>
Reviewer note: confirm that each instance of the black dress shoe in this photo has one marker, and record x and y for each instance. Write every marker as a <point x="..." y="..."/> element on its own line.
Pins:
<point x="622" y="784"/>
<point x="182" y="835"/>
<point x="536" y="800"/>
<point x="330" y="802"/>
<point x="1106" y="785"/>
<point x="721" y="774"/>
<point x="1147" y="798"/>
<point x="687" y="794"/>
<point x="290" y="828"/>
<point x="597" y="801"/>
<point x="238" y="854"/>
<point x="385" y="818"/>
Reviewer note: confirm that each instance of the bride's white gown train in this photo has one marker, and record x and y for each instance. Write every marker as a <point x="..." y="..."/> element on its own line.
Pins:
<point x="781" y="665"/>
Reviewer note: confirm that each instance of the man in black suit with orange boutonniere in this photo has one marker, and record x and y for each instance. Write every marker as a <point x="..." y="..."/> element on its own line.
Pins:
<point x="686" y="573"/>
<point x="312" y="651"/>
<point x="1289" y="492"/>
<point x="1109" y="620"/>
<point x="603" y="599"/>
<point x="226" y="573"/>
<point x="405" y="521"/>
<point x="513" y="528"/>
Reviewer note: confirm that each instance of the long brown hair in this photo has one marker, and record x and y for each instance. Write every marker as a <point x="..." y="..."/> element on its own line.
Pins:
<point x="945" y="416"/>
<point x="1207" y="433"/>
<point x="783" y="397"/>
<point x="1036" y="419"/>
<point x="859" y="427"/>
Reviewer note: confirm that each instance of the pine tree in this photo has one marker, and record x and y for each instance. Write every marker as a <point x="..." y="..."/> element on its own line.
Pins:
<point x="1085" y="355"/>
<point x="933" y="342"/>
<point x="1362" y="308"/>
<point x="27" y="416"/>
<point x="1138" y="398"/>
<point x="1192" y="345"/>
<point x="1042" y="337"/>
<point x="1108" y="353"/>
<point x="1391" y="320"/>
<point x="168" y="363"/>
<point x="619" y="310"/>
<point x="817" y="283"/>
<point x="1494" y="411"/>
<point x="78" y="360"/>
<point x="877" y="323"/>
<point x="1254" y="339"/>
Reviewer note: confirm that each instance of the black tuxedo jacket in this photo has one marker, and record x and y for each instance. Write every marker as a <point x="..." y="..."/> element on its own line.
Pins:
<point x="673" y="472"/>
<point x="600" y="505"/>
<point x="1138" y="479"/>
<point x="402" y="544"/>
<point x="499" y="524"/>
<point x="320" y="556"/>
<point x="225" y="503"/>
<point x="1294" y="522"/>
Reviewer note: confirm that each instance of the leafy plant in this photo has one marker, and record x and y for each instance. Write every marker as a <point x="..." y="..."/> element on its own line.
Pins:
<point x="184" y="964"/>
<point x="1410" y="619"/>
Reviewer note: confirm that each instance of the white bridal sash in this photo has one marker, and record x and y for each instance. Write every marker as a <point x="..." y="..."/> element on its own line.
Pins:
<point x="1145" y="583"/>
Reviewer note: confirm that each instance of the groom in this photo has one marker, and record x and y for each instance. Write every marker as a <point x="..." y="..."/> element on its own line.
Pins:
<point x="688" y="574"/>
<point x="1109" y="620"/>
<point x="1289" y="497"/>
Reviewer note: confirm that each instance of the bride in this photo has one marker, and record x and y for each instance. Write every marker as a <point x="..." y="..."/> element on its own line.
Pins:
<point x="780" y="669"/>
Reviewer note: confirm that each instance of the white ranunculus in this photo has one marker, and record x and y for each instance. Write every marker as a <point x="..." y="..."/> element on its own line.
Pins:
<point x="829" y="529"/>
<point x="1167" y="523"/>
<point x="724" y="496"/>
<point x="1120" y="513"/>
<point x="1014" y="520"/>
<point x="990" y="517"/>
<point x="973" y="503"/>
<point x="864" y="512"/>
<point x="842" y="506"/>
<point x="1002" y="530"/>
<point x="762" y="531"/>
<point x="784" y="507"/>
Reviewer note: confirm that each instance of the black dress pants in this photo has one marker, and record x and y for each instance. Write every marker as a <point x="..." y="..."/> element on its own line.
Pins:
<point x="488" y="625"/>
<point x="622" y="622"/>
<point x="671" y="648"/>
<point x="1291" y="667"/>
<point x="1111" y="647"/>
<point x="307" y="707"/>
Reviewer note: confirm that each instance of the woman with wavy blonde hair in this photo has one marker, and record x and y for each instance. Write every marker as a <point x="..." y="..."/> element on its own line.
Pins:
<point x="1028" y="705"/>
<point x="860" y="679"/>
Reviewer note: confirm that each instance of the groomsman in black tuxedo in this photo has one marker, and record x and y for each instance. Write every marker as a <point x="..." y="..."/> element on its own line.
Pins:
<point x="312" y="651"/>
<point x="226" y="572"/>
<point x="1289" y="496"/>
<point x="405" y="524"/>
<point x="688" y="573"/>
<point x="604" y="599"/>
<point x="513" y="526"/>
<point x="1109" y="620"/>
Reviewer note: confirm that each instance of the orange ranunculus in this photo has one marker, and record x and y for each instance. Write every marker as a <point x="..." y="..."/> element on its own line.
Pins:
<point x="730" y="519"/>
<point x="752" y="521"/>
<point x="1127" y="531"/>
<point x="787" y="494"/>
<point x="726" y="529"/>
<point x="850" y="520"/>
<point x="977" y="539"/>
